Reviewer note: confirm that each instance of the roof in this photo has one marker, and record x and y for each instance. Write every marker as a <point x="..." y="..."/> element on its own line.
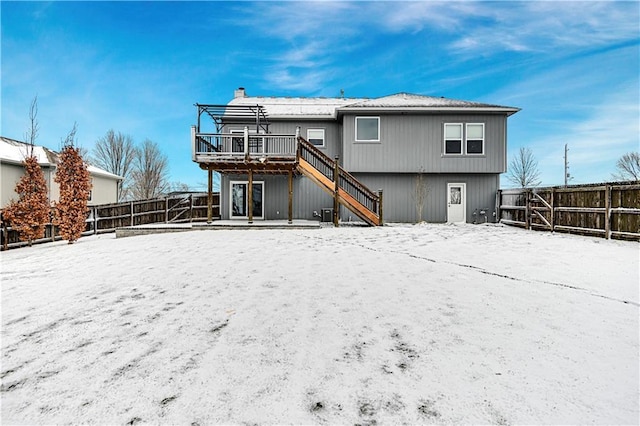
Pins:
<point x="297" y="107"/>
<point x="412" y="102"/>
<point x="15" y="152"/>
<point x="285" y="107"/>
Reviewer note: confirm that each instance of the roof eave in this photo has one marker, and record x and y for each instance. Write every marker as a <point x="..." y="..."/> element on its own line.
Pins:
<point x="504" y="110"/>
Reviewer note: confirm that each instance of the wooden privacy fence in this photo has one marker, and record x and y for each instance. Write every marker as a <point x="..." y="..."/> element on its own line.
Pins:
<point x="609" y="210"/>
<point x="107" y="217"/>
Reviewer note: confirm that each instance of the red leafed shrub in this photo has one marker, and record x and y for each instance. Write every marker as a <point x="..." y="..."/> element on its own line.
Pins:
<point x="30" y="213"/>
<point x="72" y="176"/>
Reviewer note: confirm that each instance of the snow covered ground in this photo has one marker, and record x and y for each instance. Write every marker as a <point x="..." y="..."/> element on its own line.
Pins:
<point x="390" y="325"/>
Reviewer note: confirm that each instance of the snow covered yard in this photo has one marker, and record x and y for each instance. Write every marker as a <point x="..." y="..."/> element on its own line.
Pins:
<point x="399" y="324"/>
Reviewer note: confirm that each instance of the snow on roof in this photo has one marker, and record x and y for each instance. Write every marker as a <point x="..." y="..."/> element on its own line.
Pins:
<point x="282" y="107"/>
<point x="298" y="107"/>
<point x="16" y="152"/>
<point x="13" y="151"/>
<point x="408" y="100"/>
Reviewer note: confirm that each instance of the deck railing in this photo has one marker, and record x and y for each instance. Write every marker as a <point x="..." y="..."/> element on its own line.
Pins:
<point x="241" y="144"/>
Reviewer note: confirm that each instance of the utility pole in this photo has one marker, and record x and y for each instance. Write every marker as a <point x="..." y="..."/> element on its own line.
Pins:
<point x="567" y="176"/>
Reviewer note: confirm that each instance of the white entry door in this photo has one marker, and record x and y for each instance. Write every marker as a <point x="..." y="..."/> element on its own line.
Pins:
<point x="456" y="202"/>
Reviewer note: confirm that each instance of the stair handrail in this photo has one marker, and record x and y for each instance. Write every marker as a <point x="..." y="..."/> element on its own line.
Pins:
<point x="347" y="182"/>
<point x="305" y="147"/>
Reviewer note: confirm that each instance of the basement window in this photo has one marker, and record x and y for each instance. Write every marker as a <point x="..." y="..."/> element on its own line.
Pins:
<point x="367" y="129"/>
<point x="453" y="138"/>
<point x="316" y="136"/>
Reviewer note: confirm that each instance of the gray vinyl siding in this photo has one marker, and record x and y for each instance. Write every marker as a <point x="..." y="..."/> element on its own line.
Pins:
<point x="398" y="199"/>
<point x="332" y="133"/>
<point x="307" y="196"/>
<point x="414" y="143"/>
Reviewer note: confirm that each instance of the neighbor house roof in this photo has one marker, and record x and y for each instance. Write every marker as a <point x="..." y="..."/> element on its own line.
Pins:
<point x="15" y="152"/>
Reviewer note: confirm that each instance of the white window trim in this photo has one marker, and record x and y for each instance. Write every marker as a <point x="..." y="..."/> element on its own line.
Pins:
<point x="444" y="139"/>
<point x="466" y="133"/>
<point x="356" y="130"/>
<point x="246" y="182"/>
<point x="324" y="140"/>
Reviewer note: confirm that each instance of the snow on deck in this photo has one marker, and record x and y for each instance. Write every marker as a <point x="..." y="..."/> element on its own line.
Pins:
<point x="386" y="325"/>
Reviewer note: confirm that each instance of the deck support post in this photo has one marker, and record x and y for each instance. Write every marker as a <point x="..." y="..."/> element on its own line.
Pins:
<point x="209" y="195"/>
<point x="290" y="211"/>
<point x="336" y="179"/>
<point x="380" y="205"/>
<point x="250" y="196"/>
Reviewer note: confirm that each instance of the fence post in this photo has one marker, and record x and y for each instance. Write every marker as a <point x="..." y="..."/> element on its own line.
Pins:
<point x="607" y="211"/>
<point x="380" y="205"/>
<point x="166" y="209"/>
<point x="190" y="208"/>
<point x="5" y="233"/>
<point x="553" y="209"/>
<point x="336" y="179"/>
<point x="94" y="212"/>
<point x="527" y="209"/>
<point x="131" y="211"/>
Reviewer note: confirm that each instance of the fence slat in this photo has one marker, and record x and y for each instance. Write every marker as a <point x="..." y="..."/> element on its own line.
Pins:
<point x="608" y="210"/>
<point x="105" y="218"/>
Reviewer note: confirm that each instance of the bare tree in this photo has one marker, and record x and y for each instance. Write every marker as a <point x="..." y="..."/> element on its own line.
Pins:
<point x="523" y="169"/>
<point x="628" y="167"/>
<point x="32" y="132"/>
<point x="420" y="193"/>
<point x="150" y="172"/>
<point x="115" y="153"/>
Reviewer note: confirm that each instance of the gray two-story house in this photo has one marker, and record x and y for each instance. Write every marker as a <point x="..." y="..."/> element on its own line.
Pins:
<point x="399" y="158"/>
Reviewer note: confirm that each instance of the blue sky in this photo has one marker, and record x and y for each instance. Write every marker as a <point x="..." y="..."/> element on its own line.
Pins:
<point x="138" y="67"/>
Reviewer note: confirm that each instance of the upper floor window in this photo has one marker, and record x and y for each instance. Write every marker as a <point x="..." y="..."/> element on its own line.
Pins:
<point x="453" y="138"/>
<point x="367" y="129"/>
<point x="470" y="141"/>
<point x="475" y="138"/>
<point x="316" y="136"/>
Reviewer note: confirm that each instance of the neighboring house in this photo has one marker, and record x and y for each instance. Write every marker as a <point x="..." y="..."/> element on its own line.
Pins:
<point x="458" y="148"/>
<point x="12" y="154"/>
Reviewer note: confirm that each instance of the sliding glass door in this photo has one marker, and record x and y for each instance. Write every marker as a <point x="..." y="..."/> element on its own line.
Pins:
<point x="240" y="199"/>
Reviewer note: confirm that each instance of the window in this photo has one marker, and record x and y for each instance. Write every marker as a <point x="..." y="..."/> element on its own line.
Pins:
<point x="475" y="138"/>
<point x="367" y="129"/>
<point x="453" y="138"/>
<point x="316" y="136"/>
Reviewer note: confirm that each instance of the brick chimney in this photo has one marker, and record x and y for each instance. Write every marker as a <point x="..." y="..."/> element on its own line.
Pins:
<point x="239" y="93"/>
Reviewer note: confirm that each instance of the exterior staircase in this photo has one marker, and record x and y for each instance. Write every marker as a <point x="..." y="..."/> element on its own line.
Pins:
<point x="340" y="184"/>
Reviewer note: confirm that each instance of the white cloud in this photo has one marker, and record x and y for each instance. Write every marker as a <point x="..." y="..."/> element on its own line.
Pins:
<point x="546" y="26"/>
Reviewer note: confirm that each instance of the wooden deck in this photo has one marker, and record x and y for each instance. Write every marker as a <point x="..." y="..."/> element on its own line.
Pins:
<point x="247" y="153"/>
